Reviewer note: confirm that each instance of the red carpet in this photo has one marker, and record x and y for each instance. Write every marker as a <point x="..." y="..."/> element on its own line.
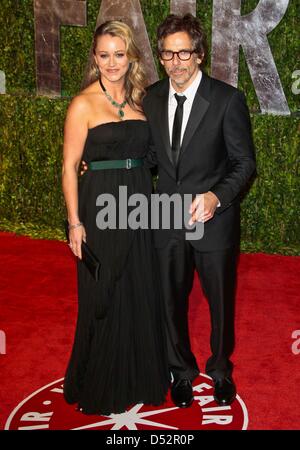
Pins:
<point x="38" y="314"/>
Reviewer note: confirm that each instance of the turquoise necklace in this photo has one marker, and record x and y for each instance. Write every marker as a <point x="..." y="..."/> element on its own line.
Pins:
<point x="120" y="106"/>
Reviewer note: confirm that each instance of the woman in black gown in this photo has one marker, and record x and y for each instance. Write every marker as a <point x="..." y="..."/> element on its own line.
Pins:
<point x="119" y="352"/>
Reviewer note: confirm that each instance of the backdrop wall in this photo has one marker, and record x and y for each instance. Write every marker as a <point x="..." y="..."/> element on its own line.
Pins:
<point x="32" y="127"/>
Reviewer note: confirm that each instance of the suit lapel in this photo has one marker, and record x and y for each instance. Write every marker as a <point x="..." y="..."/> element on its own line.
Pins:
<point x="164" y="124"/>
<point x="163" y="118"/>
<point x="199" y="108"/>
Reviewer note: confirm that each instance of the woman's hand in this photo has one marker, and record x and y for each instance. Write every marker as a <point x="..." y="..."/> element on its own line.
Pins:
<point x="76" y="236"/>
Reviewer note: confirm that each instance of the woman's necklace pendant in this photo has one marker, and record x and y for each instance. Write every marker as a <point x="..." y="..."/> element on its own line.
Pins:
<point x="121" y="114"/>
<point x="120" y="106"/>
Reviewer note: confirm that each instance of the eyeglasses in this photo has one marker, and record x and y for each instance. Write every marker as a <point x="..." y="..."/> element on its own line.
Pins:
<point x="183" y="55"/>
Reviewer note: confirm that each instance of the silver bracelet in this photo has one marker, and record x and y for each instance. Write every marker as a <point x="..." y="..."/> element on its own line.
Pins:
<point x="79" y="224"/>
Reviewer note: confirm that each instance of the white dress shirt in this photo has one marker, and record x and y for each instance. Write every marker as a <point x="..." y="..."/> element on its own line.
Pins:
<point x="190" y="93"/>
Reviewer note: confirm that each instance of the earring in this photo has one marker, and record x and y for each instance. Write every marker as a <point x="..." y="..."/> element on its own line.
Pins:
<point x="97" y="71"/>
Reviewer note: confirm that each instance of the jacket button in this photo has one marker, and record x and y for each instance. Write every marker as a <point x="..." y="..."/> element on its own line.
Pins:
<point x="178" y="182"/>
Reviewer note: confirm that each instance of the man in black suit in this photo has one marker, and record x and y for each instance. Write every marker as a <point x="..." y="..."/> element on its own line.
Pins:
<point x="202" y="146"/>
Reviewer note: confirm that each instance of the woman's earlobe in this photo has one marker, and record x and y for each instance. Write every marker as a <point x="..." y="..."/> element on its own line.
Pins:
<point x="97" y="71"/>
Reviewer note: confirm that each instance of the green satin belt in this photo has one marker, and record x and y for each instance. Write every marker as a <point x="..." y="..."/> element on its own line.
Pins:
<point x="116" y="164"/>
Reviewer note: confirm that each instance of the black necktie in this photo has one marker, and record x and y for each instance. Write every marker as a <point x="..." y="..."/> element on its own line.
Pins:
<point x="176" y="135"/>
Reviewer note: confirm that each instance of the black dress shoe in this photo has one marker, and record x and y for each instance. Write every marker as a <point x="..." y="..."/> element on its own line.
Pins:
<point x="225" y="391"/>
<point x="182" y="393"/>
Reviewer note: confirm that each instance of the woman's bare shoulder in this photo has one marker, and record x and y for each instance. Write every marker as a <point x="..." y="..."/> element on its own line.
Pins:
<point x="92" y="88"/>
<point x="83" y="101"/>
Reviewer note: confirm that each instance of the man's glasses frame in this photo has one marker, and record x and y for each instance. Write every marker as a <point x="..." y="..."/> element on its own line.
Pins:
<point x="183" y="55"/>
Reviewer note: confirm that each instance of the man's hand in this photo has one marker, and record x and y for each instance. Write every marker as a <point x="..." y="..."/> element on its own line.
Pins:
<point x="83" y="167"/>
<point x="203" y="207"/>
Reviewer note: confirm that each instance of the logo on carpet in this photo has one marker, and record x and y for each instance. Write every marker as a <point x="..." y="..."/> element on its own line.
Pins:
<point x="46" y="409"/>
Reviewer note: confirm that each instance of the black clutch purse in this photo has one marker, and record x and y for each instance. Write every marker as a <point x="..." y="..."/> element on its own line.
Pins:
<point x="89" y="259"/>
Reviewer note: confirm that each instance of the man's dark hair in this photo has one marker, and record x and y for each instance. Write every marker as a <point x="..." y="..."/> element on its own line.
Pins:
<point x="188" y="23"/>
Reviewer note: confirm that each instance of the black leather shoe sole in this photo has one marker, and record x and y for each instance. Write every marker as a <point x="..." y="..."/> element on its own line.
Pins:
<point x="185" y="404"/>
<point x="224" y="402"/>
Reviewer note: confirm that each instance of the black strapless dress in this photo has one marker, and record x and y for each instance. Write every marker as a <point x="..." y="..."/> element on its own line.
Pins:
<point x="121" y="359"/>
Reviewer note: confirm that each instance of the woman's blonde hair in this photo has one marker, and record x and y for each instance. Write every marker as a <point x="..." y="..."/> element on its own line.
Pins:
<point x="135" y="80"/>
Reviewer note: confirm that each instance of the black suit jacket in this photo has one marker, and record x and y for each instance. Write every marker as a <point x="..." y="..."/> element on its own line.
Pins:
<point x="217" y="154"/>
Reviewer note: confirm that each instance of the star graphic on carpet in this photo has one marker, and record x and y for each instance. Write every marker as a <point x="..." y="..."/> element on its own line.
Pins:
<point x="130" y="419"/>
